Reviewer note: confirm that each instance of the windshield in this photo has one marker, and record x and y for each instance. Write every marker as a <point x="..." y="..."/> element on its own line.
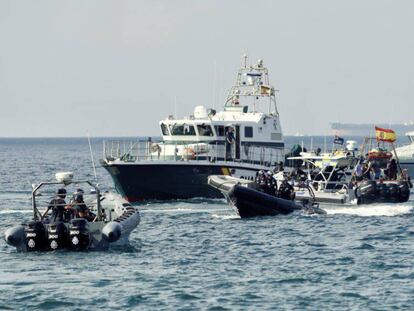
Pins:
<point x="205" y="130"/>
<point x="182" y="130"/>
<point x="164" y="129"/>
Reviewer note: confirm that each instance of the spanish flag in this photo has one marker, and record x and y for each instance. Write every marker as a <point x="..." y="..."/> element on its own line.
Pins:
<point x="385" y="134"/>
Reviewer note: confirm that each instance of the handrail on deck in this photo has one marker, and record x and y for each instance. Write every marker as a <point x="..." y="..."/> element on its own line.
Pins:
<point x="144" y="150"/>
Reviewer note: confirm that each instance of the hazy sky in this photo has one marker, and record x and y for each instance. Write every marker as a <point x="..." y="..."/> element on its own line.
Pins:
<point x="114" y="67"/>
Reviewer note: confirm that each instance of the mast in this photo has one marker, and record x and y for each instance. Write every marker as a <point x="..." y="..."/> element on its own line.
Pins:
<point x="252" y="89"/>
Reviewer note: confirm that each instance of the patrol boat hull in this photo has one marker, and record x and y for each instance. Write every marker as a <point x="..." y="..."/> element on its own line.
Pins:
<point x="172" y="181"/>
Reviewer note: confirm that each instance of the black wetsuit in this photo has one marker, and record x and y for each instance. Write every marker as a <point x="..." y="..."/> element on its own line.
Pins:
<point x="82" y="208"/>
<point x="286" y="191"/>
<point x="58" y="210"/>
<point x="392" y="170"/>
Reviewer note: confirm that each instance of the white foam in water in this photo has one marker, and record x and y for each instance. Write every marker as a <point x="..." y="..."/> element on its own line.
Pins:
<point x="372" y="210"/>
<point x="225" y="217"/>
<point x="11" y="211"/>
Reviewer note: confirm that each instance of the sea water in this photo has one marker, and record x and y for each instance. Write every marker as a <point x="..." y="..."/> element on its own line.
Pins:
<point x="197" y="254"/>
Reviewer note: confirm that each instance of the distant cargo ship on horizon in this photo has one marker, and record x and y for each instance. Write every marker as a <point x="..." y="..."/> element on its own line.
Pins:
<point x="368" y="129"/>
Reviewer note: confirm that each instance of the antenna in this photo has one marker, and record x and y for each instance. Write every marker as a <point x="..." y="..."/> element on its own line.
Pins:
<point x="175" y="107"/>
<point x="93" y="161"/>
<point x="244" y="60"/>
<point x="214" y="84"/>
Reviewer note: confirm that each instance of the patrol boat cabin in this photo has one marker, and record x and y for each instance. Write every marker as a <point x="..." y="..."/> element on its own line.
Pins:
<point x="246" y="136"/>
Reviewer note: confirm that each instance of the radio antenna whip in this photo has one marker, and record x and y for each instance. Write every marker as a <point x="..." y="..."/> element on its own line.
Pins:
<point x="93" y="161"/>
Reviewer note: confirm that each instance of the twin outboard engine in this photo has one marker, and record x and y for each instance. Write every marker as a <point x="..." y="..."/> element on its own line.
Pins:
<point x="57" y="235"/>
<point x="383" y="191"/>
<point x="371" y="192"/>
<point x="35" y="236"/>
<point x="79" y="236"/>
<point x="394" y="191"/>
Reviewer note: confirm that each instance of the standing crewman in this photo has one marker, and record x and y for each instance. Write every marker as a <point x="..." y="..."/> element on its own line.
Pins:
<point x="392" y="169"/>
<point x="57" y="205"/>
<point x="229" y="142"/>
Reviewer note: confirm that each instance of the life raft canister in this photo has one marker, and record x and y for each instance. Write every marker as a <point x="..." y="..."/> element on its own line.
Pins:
<point x="379" y="155"/>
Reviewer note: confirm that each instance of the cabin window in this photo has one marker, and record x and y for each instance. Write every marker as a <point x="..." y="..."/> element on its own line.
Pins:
<point x="205" y="130"/>
<point x="182" y="130"/>
<point x="219" y="130"/>
<point x="248" y="131"/>
<point x="164" y="129"/>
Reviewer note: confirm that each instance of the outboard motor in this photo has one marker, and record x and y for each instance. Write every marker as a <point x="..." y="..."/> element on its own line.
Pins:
<point x="79" y="236"/>
<point x="366" y="191"/>
<point x="383" y="191"/>
<point x="404" y="188"/>
<point x="394" y="192"/>
<point x="35" y="236"/>
<point x="57" y="235"/>
<point x="367" y="188"/>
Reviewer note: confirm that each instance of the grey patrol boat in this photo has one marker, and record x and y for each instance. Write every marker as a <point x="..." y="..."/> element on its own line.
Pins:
<point x="111" y="222"/>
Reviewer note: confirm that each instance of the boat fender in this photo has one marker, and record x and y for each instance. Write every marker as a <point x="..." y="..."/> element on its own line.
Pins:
<point x="14" y="236"/>
<point x="79" y="236"/>
<point x="112" y="231"/>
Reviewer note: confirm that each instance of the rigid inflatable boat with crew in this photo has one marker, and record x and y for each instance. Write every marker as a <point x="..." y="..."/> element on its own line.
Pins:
<point x="102" y="219"/>
<point x="341" y="177"/>
<point x="252" y="198"/>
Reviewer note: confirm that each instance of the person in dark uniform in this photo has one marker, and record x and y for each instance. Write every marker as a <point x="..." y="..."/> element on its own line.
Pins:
<point x="229" y="142"/>
<point x="57" y="205"/>
<point x="286" y="191"/>
<point x="392" y="170"/>
<point x="80" y="210"/>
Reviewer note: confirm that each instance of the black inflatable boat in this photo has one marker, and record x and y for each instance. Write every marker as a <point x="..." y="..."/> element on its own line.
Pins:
<point x="251" y="203"/>
<point x="248" y="201"/>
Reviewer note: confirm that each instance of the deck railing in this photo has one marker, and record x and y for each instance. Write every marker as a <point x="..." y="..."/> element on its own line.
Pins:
<point x="139" y="150"/>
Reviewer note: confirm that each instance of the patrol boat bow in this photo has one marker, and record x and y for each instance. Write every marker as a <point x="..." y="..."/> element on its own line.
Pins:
<point x="193" y="148"/>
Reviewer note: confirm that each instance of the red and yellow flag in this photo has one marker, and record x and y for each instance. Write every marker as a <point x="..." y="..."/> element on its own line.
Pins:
<point x="385" y="134"/>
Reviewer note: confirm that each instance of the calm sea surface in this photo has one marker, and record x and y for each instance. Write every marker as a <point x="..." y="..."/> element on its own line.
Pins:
<point x="197" y="255"/>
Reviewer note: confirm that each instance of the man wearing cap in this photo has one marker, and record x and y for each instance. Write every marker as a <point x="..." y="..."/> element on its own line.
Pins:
<point x="80" y="209"/>
<point x="57" y="205"/>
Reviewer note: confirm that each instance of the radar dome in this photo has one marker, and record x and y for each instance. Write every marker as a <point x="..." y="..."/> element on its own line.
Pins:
<point x="200" y="112"/>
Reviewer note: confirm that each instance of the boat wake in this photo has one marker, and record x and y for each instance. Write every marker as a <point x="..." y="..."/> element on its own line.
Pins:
<point x="372" y="210"/>
<point x="226" y="216"/>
